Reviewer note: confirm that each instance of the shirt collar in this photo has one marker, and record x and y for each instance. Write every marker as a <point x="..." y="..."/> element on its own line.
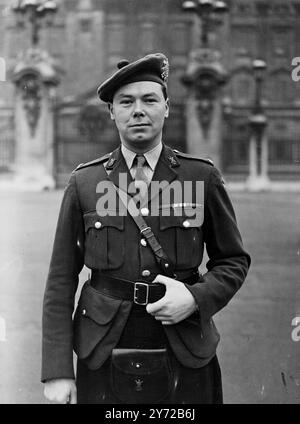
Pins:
<point x="151" y="156"/>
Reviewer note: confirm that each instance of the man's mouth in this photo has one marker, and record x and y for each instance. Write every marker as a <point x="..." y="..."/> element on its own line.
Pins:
<point x="140" y="125"/>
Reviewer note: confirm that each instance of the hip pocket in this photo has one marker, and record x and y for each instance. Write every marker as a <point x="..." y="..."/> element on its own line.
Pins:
<point x="93" y="318"/>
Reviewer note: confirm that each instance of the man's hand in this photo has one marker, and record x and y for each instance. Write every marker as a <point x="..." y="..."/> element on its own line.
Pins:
<point x="61" y="390"/>
<point x="177" y="304"/>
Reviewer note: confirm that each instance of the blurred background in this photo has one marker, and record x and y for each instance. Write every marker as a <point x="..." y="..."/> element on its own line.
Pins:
<point x="235" y="98"/>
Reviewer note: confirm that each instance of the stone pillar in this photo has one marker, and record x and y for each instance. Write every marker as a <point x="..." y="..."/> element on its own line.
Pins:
<point x="265" y="158"/>
<point x="35" y="83"/>
<point x="200" y="142"/>
<point x="258" y="178"/>
<point x="252" y="160"/>
<point x="204" y="78"/>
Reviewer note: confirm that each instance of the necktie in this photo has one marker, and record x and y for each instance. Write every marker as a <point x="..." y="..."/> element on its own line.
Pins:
<point x="141" y="180"/>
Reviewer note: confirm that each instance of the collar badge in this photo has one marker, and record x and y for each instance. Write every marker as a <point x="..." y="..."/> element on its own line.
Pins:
<point x="110" y="163"/>
<point x="172" y="161"/>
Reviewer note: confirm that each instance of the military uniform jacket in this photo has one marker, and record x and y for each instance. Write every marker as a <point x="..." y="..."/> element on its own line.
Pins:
<point x="114" y="247"/>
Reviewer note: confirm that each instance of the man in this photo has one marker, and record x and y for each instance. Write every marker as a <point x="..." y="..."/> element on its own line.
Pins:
<point x="143" y="329"/>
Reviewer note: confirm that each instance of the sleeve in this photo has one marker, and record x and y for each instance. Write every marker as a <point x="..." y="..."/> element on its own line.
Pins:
<point x="228" y="261"/>
<point x="65" y="265"/>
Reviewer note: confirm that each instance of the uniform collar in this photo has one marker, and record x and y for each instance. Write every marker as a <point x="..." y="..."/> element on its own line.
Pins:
<point x="160" y="151"/>
<point x="151" y="156"/>
<point x="163" y="171"/>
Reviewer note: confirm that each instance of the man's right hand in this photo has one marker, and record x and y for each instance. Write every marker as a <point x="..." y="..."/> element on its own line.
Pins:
<point x="61" y="390"/>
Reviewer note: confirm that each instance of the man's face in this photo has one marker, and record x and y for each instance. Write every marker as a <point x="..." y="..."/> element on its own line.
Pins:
<point x="139" y="110"/>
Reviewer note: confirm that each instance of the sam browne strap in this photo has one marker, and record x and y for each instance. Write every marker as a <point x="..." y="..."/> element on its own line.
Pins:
<point x="146" y="231"/>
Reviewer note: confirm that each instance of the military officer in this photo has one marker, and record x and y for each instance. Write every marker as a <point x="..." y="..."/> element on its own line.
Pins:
<point x="143" y="329"/>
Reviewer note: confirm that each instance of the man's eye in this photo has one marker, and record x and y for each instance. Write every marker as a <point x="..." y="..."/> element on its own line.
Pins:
<point x="125" y="102"/>
<point x="150" y="100"/>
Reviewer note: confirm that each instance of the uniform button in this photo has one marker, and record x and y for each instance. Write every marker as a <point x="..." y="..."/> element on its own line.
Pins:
<point x="145" y="211"/>
<point x="83" y="311"/>
<point x="143" y="242"/>
<point x="186" y="223"/>
<point x="146" y="273"/>
<point x="98" y="225"/>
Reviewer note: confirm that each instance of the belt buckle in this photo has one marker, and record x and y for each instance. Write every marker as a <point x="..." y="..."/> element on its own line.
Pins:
<point x="137" y="287"/>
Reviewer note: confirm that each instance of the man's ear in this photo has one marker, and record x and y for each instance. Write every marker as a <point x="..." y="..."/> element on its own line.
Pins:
<point x="111" y="111"/>
<point x="167" y="108"/>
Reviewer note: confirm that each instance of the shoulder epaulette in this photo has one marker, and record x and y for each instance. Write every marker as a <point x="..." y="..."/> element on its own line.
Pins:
<point x="188" y="156"/>
<point x="93" y="162"/>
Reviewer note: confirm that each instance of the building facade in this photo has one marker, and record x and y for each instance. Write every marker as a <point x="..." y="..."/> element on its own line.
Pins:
<point x="89" y="37"/>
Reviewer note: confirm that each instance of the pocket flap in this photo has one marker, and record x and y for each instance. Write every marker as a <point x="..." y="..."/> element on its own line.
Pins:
<point x="93" y="220"/>
<point x="97" y="306"/>
<point x="139" y="362"/>
<point x="183" y="217"/>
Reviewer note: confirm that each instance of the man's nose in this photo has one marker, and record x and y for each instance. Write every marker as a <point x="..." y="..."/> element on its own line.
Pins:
<point x="138" y="110"/>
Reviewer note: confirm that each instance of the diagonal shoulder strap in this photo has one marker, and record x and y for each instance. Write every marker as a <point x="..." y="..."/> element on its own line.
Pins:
<point x="160" y="256"/>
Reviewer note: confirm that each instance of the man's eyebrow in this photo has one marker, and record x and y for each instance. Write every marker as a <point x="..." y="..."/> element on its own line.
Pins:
<point x="150" y="94"/>
<point x="124" y="95"/>
<point x="131" y="95"/>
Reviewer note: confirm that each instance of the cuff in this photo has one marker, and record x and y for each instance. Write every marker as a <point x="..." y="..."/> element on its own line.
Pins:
<point x="57" y="362"/>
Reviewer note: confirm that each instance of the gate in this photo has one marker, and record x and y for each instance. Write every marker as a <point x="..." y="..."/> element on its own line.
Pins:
<point x="83" y="132"/>
<point x="235" y="147"/>
<point x="282" y="134"/>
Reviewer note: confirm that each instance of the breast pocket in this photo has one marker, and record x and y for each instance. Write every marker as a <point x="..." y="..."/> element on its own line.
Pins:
<point x="181" y="236"/>
<point x="104" y="241"/>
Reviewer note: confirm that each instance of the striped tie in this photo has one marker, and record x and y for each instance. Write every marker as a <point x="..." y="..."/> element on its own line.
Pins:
<point x="141" y="180"/>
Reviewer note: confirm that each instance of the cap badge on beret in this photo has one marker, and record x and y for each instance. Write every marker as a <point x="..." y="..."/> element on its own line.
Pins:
<point x="165" y="70"/>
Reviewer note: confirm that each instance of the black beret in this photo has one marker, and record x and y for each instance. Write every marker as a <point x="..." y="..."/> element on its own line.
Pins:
<point x="153" y="67"/>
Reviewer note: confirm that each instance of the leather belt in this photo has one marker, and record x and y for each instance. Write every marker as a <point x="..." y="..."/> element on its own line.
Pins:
<point x="139" y="292"/>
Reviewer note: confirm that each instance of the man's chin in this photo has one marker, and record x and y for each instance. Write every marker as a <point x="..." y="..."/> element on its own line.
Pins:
<point x="140" y="139"/>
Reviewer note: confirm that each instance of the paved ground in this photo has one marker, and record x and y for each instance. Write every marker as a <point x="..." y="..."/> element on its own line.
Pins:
<point x="259" y="359"/>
